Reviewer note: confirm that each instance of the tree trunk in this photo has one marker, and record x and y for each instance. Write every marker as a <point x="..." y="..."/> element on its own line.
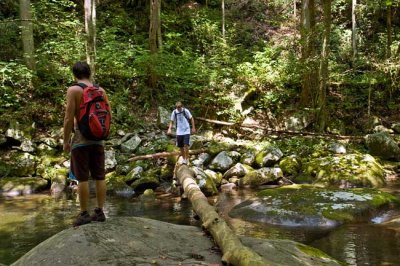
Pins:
<point x="354" y="28"/>
<point x="234" y="252"/>
<point x="223" y="18"/>
<point x="27" y="33"/>
<point x="324" y="72"/>
<point x="155" y="41"/>
<point x="155" y="26"/>
<point x="389" y="30"/>
<point x="308" y="53"/>
<point x="294" y="9"/>
<point x="90" y="28"/>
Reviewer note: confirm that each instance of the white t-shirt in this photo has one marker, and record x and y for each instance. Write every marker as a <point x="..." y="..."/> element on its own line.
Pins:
<point x="181" y="123"/>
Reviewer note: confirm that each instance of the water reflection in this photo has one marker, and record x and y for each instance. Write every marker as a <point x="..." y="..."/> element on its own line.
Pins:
<point x="27" y="221"/>
<point x="362" y="245"/>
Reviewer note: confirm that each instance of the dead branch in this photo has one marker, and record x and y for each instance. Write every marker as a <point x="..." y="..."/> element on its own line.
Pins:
<point x="286" y="132"/>
<point x="162" y="154"/>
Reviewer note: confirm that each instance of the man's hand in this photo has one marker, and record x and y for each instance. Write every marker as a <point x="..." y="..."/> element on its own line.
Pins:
<point x="169" y="131"/>
<point x="67" y="147"/>
<point x="193" y="130"/>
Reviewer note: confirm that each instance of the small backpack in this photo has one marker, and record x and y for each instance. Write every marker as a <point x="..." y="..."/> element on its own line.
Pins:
<point x="94" y="113"/>
<point x="184" y="114"/>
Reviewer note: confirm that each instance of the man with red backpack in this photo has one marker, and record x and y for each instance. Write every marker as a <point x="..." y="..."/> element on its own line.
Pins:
<point x="87" y="116"/>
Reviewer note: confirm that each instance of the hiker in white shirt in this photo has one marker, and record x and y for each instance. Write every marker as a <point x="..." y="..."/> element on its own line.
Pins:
<point x="181" y="117"/>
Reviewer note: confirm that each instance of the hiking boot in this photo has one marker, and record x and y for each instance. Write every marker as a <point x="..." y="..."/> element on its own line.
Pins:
<point x="98" y="215"/>
<point x="82" y="218"/>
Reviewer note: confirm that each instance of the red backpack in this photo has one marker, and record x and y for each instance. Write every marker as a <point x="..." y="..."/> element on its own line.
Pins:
<point x="95" y="114"/>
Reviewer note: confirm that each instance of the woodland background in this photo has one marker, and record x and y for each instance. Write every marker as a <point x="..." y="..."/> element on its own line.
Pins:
<point x="335" y="59"/>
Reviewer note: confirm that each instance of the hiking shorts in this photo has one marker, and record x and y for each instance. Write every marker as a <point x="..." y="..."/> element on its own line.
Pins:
<point x="88" y="159"/>
<point x="182" y="140"/>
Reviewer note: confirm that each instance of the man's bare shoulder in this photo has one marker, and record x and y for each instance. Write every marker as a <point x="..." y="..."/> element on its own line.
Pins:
<point x="74" y="89"/>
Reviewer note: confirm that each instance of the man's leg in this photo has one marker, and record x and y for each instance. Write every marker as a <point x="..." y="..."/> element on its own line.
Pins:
<point x="101" y="191"/>
<point x="83" y="192"/>
<point x="183" y="154"/>
<point x="186" y="152"/>
<point x="79" y="166"/>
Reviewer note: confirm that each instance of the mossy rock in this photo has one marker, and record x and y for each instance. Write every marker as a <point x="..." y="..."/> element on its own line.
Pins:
<point x="298" y="205"/>
<point x="290" y="165"/>
<point x="268" y="156"/>
<point x="214" y="147"/>
<point x="149" y="180"/>
<point x="208" y="186"/>
<point x="15" y="186"/>
<point x="351" y="170"/>
<point x="14" y="163"/>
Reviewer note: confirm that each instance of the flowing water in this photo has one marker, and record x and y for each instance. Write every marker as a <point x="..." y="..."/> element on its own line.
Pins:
<point x="26" y="221"/>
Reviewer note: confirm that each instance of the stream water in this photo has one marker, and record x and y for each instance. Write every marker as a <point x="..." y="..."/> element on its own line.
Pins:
<point x="26" y="221"/>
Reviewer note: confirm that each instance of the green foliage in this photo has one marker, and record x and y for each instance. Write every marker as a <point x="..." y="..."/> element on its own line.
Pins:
<point x="15" y="86"/>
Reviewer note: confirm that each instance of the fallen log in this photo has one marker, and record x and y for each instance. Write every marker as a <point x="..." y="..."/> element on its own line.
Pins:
<point x="162" y="154"/>
<point x="234" y="252"/>
<point x="270" y="130"/>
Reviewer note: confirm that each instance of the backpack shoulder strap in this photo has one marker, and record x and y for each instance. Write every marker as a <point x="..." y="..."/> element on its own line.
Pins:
<point x="82" y="85"/>
<point x="185" y="114"/>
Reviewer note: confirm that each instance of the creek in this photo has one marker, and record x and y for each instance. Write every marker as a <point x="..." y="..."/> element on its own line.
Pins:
<point x="28" y="220"/>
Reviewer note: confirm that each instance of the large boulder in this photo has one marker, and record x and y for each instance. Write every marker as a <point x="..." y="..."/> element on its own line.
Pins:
<point x="14" y="163"/>
<point x="21" y="186"/>
<point x="163" y="118"/>
<point x="350" y="170"/>
<point x="383" y="145"/>
<point x="268" y="156"/>
<point x="261" y="176"/>
<point x="141" y="241"/>
<point x="222" y="162"/>
<point x="131" y="144"/>
<point x="313" y="207"/>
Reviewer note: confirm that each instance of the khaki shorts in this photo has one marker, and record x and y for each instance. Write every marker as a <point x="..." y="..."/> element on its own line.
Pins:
<point x="88" y="160"/>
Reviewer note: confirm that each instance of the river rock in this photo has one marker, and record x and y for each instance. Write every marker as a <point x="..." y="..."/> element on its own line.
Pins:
<point x="131" y="144"/>
<point x="221" y="162"/>
<point x="238" y="170"/>
<point x="313" y="207"/>
<point x="124" y="241"/>
<point x="382" y="144"/>
<point x="141" y="241"/>
<point x="21" y="186"/>
<point x="268" y="156"/>
<point x="346" y="171"/>
<point x="110" y="161"/>
<point x="163" y="118"/>
<point x="17" y="164"/>
<point x="261" y="176"/>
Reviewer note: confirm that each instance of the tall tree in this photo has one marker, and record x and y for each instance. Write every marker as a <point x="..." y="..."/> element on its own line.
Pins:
<point x="307" y="31"/>
<point x="155" y="26"/>
<point x="389" y="27"/>
<point x="323" y="70"/>
<point x="223" y="18"/>
<point x="155" y="41"/>
<point x="354" y="28"/>
<point x="90" y="28"/>
<point x="27" y="33"/>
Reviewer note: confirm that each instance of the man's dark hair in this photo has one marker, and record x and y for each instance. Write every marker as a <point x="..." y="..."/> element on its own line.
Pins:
<point x="81" y="70"/>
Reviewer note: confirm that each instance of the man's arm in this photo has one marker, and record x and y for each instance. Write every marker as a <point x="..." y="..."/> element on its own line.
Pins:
<point x="106" y="98"/>
<point x="69" y="118"/>
<point x="171" y="121"/>
<point x="169" y="127"/>
<point x="193" y="126"/>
